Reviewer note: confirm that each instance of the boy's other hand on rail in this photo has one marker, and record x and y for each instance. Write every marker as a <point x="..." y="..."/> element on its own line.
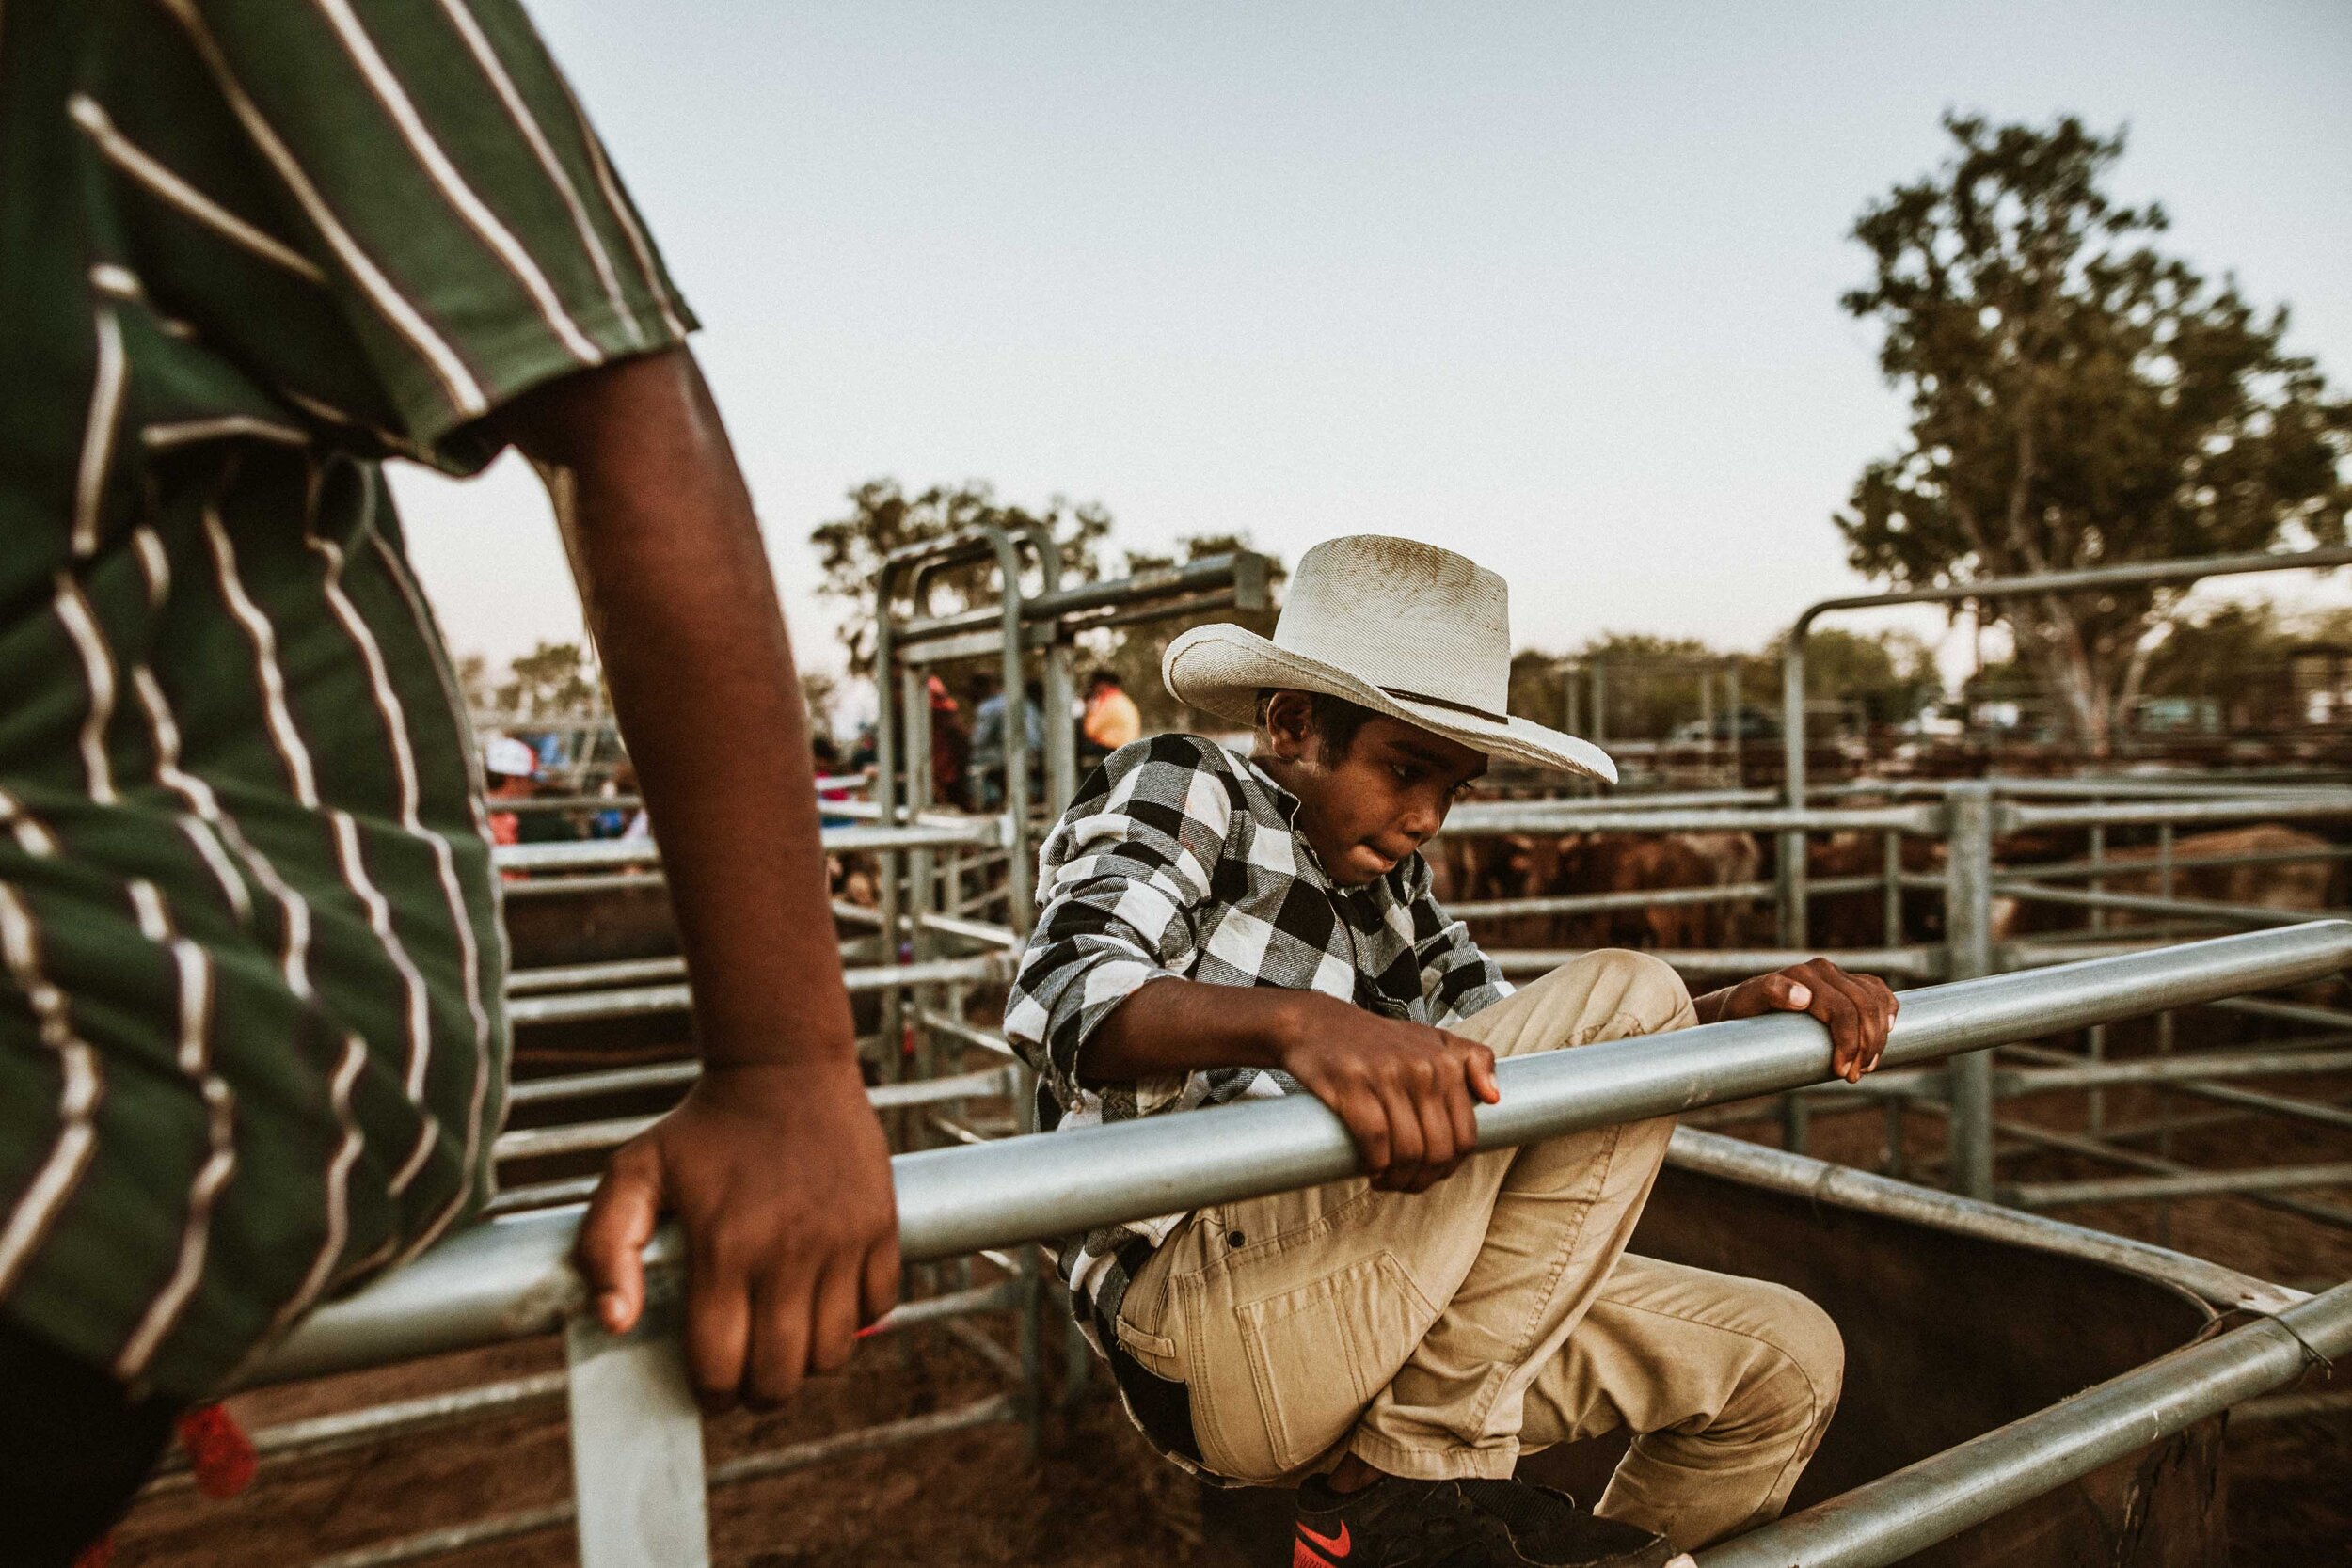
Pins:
<point x="780" y="1178"/>
<point x="1404" y="1089"/>
<point x="1858" y="1009"/>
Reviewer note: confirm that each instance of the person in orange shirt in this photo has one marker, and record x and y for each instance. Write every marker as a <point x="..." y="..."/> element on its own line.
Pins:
<point x="1111" y="718"/>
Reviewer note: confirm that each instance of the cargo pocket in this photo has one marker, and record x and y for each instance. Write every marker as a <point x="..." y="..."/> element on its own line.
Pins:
<point x="1320" y="1353"/>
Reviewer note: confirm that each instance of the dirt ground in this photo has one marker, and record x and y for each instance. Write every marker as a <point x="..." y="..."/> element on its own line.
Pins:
<point x="1095" y="1495"/>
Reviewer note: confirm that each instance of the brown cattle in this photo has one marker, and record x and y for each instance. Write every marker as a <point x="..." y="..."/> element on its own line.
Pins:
<point x="1533" y="866"/>
<point x="1732" y="858"/>
<point x="1859" y="919"/>
<point x="2293" y="886"/>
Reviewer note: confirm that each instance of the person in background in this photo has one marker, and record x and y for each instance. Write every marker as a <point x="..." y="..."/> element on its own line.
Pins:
<point x="613" y="821"/>
<point x="864" y="749"/>
<point x="510" y="774"/>
<point x="833" y="791"/>
<point x="988" y="741"/>
<point x="950" y="743"/>
<point x="1110" y="718"/>
<point x="253" y="1044"/>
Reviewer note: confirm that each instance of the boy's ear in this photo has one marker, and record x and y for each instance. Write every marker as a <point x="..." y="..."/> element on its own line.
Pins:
<point x="1288" y="723"/>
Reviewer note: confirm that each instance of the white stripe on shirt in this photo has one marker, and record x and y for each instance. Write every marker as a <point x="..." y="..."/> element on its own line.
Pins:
<point x="129" y="157"/>
<point x="461" y="196"/>
<point x="98" y="673"/>
<point x="193" y="974"/>
<point x="98" y="435"/>
<point x="81" y="1087"/>
<point x="558" y="176"/>
<point x="464" y="393"/>
<point x="619" y="201"/>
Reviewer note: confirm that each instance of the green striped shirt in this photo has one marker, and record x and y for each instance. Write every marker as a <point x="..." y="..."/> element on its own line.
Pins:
<point x="252" y="1046"/>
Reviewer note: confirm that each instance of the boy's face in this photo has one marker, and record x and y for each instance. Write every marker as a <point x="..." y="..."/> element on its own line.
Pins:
<point x="1369" y="807"/>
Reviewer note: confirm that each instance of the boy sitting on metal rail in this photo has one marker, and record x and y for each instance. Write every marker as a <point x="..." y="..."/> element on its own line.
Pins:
<point x="1215" y="927"/>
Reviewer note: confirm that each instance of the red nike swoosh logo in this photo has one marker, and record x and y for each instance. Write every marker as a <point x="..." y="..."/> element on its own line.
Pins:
<point x="1338" y="1545"/>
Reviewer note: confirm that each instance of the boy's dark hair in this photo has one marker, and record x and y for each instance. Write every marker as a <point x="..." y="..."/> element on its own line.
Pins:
<point x="1334" y="719"/>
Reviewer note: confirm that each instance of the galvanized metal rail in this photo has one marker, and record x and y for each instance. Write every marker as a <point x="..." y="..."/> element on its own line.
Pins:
<point x="511" y="1278"/>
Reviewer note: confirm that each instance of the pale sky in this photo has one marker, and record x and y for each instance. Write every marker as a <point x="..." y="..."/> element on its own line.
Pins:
<point x="1555" y="286"/>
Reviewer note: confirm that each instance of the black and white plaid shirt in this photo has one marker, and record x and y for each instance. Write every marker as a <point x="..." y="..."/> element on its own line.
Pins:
<point x="1179" y="857"/>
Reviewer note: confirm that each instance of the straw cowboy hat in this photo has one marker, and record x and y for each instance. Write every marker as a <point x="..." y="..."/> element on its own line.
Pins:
<point x="1404" y="628"/>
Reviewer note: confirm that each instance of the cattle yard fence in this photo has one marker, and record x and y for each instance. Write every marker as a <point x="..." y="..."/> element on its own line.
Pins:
<point x="640" y="1484"/>
<point x="1977" y="896"/>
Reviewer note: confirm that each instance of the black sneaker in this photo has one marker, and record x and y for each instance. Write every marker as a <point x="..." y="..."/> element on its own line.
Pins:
<point x="1398" y="1522"/>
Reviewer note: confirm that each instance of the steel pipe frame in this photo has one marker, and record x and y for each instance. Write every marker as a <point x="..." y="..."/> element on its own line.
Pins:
<point x="1574" y="903"/>
<point x="334" y="1432"/>
<point x="992" y="1410"/>
<point x="2170" y="1071"/>
<point x="2070" y="1071"/>
<point x="1915" y="961"/>
<point x="598" y="854"/>
<point x="1846" y="1187"/>
<point x="535" y="1143"/>
<point x="2313" y="807"/>
<point x="2098" y="1149"/>
<point x="1921" y="1504"/>
<point x="2191" y="1183"/>
<point x="502" y="1288"/>
<point x="1244" y="572"/>
<point x="590" y="977"/>
<point x="1792" y="661"/>
<point x="636" y="1002"/>
<point x="1513" y="817"/>
<point x="2184" y="909"/>
<point x="2257" y="1104"/>
<point x="2070" y="870"/>
<point x="511" y="1278"/>
<point x="341" y="1430"/>
<point x="2124" y="787"/>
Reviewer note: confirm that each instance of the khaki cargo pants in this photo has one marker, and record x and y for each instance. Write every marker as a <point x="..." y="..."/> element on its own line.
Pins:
<point x="1445" y="1333"/>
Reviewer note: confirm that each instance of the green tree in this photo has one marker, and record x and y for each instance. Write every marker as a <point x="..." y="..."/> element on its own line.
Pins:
<point x="2077" y="399"/>
<point x="552" y="681"/>
<point x="1135" y="656"/>
<point x="1648" y="684"/>
<point x="1890" y="675"/>
<point x="883" y="519"/>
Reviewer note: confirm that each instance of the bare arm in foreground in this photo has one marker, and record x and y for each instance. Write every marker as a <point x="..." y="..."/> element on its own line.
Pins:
<point x="774" y="1163"/>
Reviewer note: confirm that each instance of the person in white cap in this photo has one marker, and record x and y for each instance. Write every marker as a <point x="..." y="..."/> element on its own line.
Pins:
<point x="1213" y="928"/>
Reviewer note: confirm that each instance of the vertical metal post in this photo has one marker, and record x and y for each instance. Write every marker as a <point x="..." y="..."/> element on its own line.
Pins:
<point x="2163" y="1020"/>
<point x="1796" y="1121"/>
<point x="1891" y="889"/>
<point x="637" y="1443"/>
<point x="1706" y="723"/>
<point x="1062" y="741"/>
<point x="1571" y="695"/>
<point x="1733" y="706"/>
<point x="887" y="747"/>
<point x="918" y="866"/>
<point x="2097" y="1100"/>
<point x="1020" y="885"/>
<point x="1791" y="873"/>
<point x="1968" y="933"/>
<point x="1600" y="701"/>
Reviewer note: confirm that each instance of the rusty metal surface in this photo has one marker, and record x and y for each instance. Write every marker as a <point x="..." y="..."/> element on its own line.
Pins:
<point x="1946" y="1337"/>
